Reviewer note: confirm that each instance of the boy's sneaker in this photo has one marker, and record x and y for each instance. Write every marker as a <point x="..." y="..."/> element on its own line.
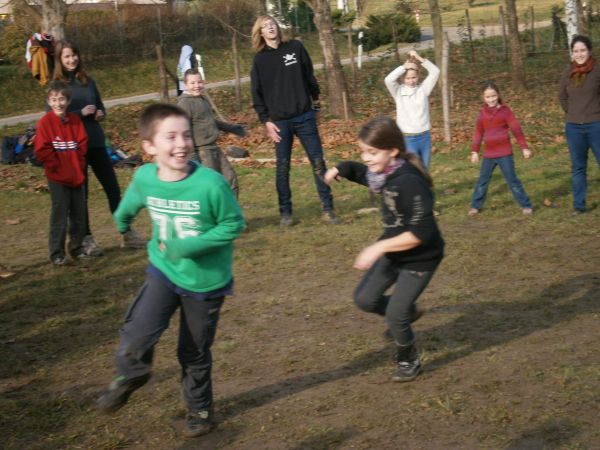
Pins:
<point x="117" y="394"/>
<point x="286" y="220"/>
<point x="473" y="212"/>
<point x="330" y="218"/>
<point x="90" y="247"/>
<point x="130" y="239"/>
<point x="408" y="364"/>
<point x="58" y="261"/>
<point x="198" y="423"/>
<point x="81" y="256"/>
<point x="527" y="211"/>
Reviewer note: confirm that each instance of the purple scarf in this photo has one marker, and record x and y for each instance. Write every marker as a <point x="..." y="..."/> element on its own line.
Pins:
<point x="377" y="180"/>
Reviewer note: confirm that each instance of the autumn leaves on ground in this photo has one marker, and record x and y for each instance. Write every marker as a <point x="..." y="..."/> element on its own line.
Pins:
<point x="509" y="339"/>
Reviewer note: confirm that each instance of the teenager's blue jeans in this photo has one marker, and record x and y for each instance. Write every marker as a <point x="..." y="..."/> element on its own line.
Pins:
<point x="580" y="138"/>
<point x="419" y="144"/>
<point x="507" y="166"/>
<point x="396" y="308"/>
<point x="305" y="127"/>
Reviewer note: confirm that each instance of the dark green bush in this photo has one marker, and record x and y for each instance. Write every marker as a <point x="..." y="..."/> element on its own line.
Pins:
<point x="380" y="30"/>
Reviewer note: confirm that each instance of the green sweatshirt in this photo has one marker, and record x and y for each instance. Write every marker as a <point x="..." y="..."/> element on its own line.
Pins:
<point x="196" y="218"/>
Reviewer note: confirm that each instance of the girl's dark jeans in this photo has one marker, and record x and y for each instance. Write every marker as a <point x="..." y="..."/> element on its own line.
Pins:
<point x="396" y="308"/>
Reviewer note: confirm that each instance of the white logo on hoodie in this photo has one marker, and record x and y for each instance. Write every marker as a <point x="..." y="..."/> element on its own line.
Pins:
<point x="290" y="59"/>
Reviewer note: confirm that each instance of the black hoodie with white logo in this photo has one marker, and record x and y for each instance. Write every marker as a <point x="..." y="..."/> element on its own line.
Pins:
<point x="283" y="82"/>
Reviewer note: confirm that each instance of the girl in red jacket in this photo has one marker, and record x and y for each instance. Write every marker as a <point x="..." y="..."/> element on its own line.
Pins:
<point x="493" y="123"/>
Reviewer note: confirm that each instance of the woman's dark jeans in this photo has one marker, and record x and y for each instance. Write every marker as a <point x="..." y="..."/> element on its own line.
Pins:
<point x="580" y="138"/>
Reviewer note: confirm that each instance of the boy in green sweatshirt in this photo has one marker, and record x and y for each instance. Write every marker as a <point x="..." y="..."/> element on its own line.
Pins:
<point x="195" y="218"/>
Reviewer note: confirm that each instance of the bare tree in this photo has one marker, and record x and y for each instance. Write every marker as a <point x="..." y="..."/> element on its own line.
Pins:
<point x="516" y="57"/>
<point x="233" y="15"/>
<point x="51" y="16"/>
<point x="336" y="81"/>
<point x="54" y="17"/>
<point x="438" y="32"/>
<point x="571" y="17"/>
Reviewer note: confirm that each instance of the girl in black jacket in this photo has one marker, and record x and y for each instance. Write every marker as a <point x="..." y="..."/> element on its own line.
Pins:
<point x="411" y="246"/>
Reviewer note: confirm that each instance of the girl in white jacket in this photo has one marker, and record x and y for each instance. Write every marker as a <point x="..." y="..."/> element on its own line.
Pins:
<point x="412" y="103"/>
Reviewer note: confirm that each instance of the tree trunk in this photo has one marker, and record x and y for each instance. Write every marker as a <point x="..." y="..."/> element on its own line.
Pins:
<point x="438" y="33"/>
<point x="516" y="57"/>
<point x="582" y="18"/>
<point x="336" y="80"/>
<point x="54" y="17"/>
<point x="571" y="18"/>
<point x="236" y="71"/>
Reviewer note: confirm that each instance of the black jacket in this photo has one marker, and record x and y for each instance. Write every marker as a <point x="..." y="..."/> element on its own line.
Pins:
<point x="283" y="82"/>
<point x="407" y="205"/>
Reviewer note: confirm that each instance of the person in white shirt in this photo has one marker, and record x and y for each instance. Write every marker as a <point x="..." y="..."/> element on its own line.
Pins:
<point x="412" y="103"/>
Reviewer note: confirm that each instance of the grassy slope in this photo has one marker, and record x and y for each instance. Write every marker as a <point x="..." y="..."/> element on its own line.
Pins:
<point x="139" y="77"/>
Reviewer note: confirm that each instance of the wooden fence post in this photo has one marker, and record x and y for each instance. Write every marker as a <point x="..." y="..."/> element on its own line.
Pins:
<point x="162" y="71"/>
<point x="445" y="88"/>
<point x="531" y="14"/>
<point x="503" y="26"/>
<point x="470" y="35"/>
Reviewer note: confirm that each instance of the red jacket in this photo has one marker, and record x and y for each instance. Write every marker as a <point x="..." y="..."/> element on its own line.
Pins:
<point x="61" y="144"/>
<point x="492" y="127"/>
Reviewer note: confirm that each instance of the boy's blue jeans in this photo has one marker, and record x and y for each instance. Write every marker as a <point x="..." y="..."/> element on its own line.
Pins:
<point x="507" y="166"/>
<point x="397" y="307"/>
<point x="305" y="127"/>
<point x="148" y="317"/>
<point x="419" y="144"/>
<point x="580" y="138"/>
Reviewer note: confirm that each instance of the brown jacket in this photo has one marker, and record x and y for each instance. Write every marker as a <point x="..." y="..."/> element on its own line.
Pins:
<point x="581" y="103"/>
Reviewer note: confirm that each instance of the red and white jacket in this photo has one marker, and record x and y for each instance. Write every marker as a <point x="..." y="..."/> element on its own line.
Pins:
<point x="61" y="145"/>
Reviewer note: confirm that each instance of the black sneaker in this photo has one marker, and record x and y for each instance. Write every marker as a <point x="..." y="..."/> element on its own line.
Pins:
<point x="408" y="364"/>
<point x="81" y="256"/>
<point x="198" y="423"/>
<point x="59" y="261"/>
<point x="117" y="394"/>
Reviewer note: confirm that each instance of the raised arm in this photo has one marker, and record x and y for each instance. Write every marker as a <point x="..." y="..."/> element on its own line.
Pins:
<point x="391" y="80"/>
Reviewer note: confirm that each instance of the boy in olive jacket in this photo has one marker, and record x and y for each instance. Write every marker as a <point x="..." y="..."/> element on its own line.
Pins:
<point x="206" y="128"/>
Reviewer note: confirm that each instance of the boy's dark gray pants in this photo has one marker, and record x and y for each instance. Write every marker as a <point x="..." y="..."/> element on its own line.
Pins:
<point x="68" y="212"/>
<point x="146" y="319"/>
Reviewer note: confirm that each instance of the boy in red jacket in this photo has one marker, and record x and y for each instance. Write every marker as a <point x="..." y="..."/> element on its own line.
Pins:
<point x="60" y="145"/>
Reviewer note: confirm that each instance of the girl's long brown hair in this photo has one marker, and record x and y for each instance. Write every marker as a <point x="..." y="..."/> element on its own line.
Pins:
<point x="383" y="133"/>
<point x="258" y="42"/>
<point x="59" y="71"/>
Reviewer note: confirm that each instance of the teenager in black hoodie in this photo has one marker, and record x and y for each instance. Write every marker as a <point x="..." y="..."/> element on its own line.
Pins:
<point x="285" y="95"/>
<point x="411" y="246"/>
